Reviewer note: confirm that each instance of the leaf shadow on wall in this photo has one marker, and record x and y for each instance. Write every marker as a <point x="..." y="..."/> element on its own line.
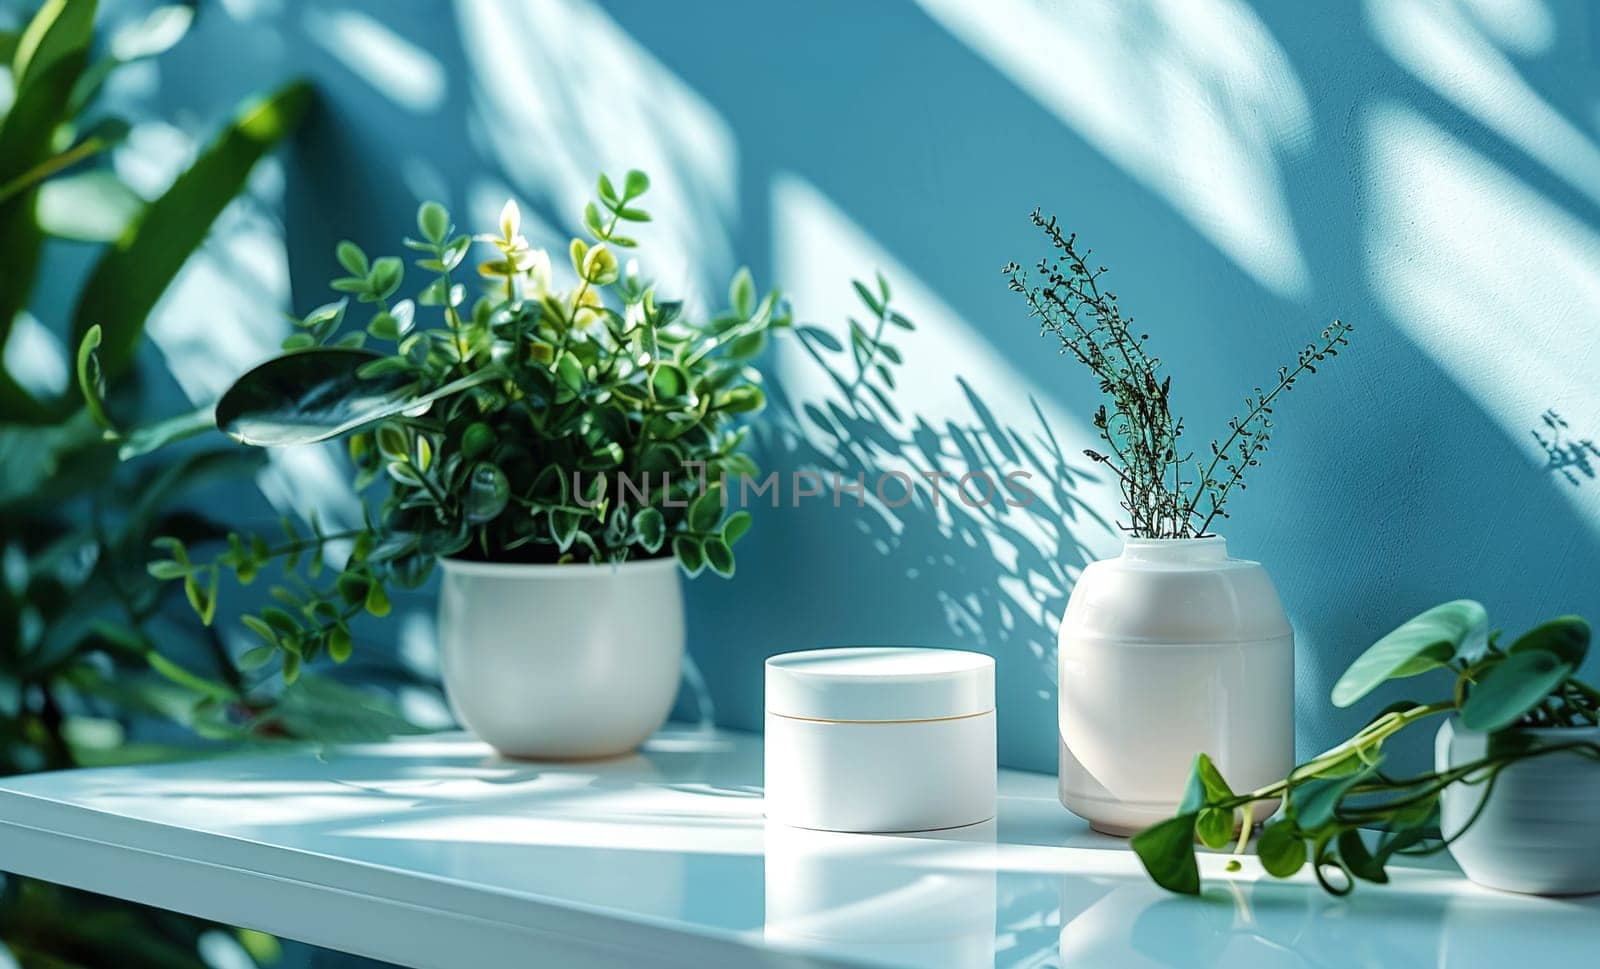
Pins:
<point x="1573" y="459"/>
<point x="977" y="519"/>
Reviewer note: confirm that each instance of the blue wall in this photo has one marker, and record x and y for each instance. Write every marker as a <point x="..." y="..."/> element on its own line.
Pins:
<point x="1427" y="170"/>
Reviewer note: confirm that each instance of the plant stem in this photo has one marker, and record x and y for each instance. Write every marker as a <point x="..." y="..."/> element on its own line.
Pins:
<point x="1373" y="733"/>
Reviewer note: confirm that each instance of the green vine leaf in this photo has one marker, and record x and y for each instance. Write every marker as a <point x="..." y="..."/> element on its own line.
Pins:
<point x="1167" y="852"/>
<point x="1281" y="849"/>
<point x="1565" y="637"/>
<point x="1425" y="642"/>
<point x="1511" y="688"/>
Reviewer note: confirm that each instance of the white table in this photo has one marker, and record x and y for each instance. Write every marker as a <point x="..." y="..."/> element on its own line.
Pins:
<point x="432" y="852"/>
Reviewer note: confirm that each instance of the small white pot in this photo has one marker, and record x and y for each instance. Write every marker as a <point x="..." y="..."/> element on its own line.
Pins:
<point x="1170" y="650"/>
<point x="1539" y="831"/>
<point x="561" y="662"/>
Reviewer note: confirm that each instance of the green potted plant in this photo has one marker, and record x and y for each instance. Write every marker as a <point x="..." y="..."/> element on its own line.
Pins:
<point x="1512" y="792"/>
<point x="558" y="449"/>
<point x="1173" y="623"/>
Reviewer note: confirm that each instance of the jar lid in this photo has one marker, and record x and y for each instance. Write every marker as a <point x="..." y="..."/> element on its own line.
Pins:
<point x="880" y="683"/>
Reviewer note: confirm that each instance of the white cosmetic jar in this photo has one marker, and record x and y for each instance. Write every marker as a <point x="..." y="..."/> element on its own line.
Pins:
<point x="879" y="738"/>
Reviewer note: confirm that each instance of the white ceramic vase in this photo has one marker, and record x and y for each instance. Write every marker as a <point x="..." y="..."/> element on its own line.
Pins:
<point x="1170" y="650"/>
<point x="562" y="662"/>
<point x="1539" y="832"/>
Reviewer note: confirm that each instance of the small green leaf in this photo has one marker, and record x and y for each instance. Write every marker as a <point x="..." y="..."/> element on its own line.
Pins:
<point x="262" y="629"/>
<point x="291" y="668"/>
<point x="476" y="440"/>
<point x="254" y="659"/>
<point x="352" y="587"/>
<point x="377" y="600"/>
<point x="1205" y="786"/>
<point x="706" y="510"/>
<point x="734" y="528"/>
<point x="488" y="493"/>
<point x="1511" y="688"/>
<point x="383" y="326"/>
<point x="719" y="557"/>
<point x="571" y="373"/>
<point x="867" y="297"/>
<point x="433" y="222"/>
<point x="742" y="293"/>
<point x="280" y="620"/>
<point x="635" y="184"/>
<point x="1422" y="643"/>
<point x="651" y="528"/>
<point x="743" y="399"/>
<point x="392" y="443"/>
<point x="1282" y="852"/>
<point x="591" y="220"/>
<point x="564" y="527"/>
<point x="1167" y="852"/>
<point x="352" y="258"/>
<point x="669" y="381"/>
<point x="1215" y="827"/>
<point x="691" y="554"/>
<point x="386" y="276"/>
<point x="608" y="194"/>
<point x="340" y="643"/>
<point x="166" y="570"/>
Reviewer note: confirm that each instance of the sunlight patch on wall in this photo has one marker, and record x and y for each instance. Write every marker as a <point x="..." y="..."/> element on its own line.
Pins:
<point x="36" y="358"/>
<point x="556" y="112"/>
<point x="1193" y="98"/>
<point x="1004" y="572"/>
<point x="393" y="66"/>
<point x="224" y="312"/>
<point x="1497" y="284"/>
<point x="1525" y="27"/>
<point x="1441" y="46"/>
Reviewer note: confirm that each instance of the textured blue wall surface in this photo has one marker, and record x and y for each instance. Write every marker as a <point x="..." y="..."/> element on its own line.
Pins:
<point x="1427" y="169"/>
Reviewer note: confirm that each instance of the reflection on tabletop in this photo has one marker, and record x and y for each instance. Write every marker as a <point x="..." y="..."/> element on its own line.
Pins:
<point x="675" y="835"/>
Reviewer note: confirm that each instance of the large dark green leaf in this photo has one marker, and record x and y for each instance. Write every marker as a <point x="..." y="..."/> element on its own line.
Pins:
<point x="1167" y="852"/>
<point x="314" y="395"/>
<point x="50" y="56"/>
<point x="1422" y="643"/>
<point x="1566" y="637"/>
<point x="310" y="396"/>
<point x="1512" y="687"/>
<point x="1358" y="859"/>
<point x="134" y="272"/>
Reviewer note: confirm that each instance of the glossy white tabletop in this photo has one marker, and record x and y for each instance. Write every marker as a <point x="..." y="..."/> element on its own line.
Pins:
<point x="433" y="852"/>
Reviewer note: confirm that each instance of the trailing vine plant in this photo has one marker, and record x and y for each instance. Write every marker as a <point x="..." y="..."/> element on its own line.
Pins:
<point x="1142" y="436"/>
<point x="1328" y="801"/>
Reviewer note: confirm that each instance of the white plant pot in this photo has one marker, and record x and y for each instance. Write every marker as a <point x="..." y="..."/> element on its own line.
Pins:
<point x="1539" y="831"/>
<point x="561" y="662"/>
<point x="1170" y="650"/>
